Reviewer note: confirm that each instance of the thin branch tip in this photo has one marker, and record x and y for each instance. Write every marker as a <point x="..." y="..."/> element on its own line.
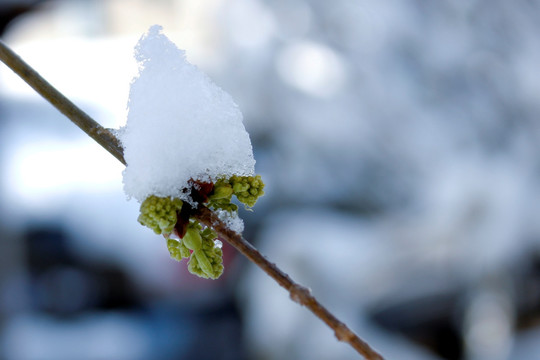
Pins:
<point x="92" y="128"/>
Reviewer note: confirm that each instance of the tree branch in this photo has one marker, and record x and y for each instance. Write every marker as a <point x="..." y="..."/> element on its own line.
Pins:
<point x="97" y="132"/>
<point x="108" y="140"/>
<point x="297" y="292"/>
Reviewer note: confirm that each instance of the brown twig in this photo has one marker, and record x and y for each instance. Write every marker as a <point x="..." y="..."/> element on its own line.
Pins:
<point x="97" y="132"/>
<point x="298" y="293"/>
<point x="108" y="140"/>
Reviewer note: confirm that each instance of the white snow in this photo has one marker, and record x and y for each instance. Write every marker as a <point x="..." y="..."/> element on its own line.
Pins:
<point x="180" y="125"/>
<point x="231" y="220"/>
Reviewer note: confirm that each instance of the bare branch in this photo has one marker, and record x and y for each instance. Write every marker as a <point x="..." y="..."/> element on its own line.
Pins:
<point x="298" y="293"/>
<point x="97" y="132"/>
<point x="108" y="140"/>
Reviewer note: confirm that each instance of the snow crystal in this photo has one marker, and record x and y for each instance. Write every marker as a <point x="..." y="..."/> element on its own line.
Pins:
<point x="180" y="125"/>
<point x="231" y="220"/>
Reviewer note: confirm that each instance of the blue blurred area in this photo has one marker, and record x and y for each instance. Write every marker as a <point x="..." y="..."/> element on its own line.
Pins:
<point x="400" y="144"/>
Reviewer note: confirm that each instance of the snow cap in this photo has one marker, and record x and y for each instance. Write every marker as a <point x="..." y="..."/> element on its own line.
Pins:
<point x="180" y="125"/>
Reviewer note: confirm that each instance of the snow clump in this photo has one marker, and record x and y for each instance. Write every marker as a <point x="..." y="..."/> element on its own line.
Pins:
<point x="180" y="125"/>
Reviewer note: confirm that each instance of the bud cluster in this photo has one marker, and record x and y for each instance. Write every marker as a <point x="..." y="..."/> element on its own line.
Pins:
<point x="167" y="216"/>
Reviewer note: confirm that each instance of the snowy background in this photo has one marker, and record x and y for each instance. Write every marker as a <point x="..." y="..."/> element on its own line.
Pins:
<point x="400" y="144"/>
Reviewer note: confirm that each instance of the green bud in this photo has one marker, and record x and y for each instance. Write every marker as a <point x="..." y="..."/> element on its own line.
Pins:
<point x="159" y="214"/>
<point x="223" y="204"/>
<point x="206" y="261"/>
<point x="203" y="262"/>
<point x="192" y="240"/>
<point x="222" y="190"/>
<point x="177" y="250"/>
<point x="247" y="189"/>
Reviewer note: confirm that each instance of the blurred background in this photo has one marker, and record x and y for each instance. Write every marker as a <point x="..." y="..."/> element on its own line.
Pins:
<point x="400" y="144"/>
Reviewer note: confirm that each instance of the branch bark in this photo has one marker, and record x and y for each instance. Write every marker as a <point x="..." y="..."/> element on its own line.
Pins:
<point x="108" y="140"/>
<point x="298" y="293"/>
<point x="97" y="132"/>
